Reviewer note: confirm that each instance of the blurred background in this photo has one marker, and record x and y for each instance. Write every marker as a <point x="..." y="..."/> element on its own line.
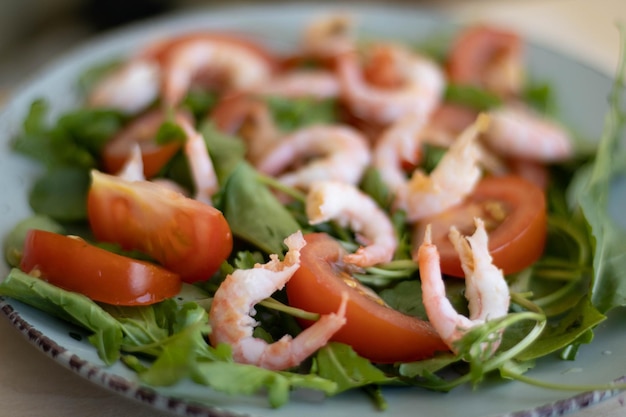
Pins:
<point x="33" y="32"/>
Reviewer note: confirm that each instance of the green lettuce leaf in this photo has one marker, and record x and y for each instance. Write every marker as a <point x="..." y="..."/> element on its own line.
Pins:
<point x="69" y="306"/>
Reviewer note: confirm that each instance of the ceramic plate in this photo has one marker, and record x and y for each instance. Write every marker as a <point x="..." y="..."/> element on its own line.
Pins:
<point x="582" y="94"/>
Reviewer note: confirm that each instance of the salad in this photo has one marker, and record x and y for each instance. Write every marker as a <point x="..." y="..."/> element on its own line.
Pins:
<point x="222" y="212"/>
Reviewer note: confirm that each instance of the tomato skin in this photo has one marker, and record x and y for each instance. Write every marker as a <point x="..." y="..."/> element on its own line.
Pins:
<point x="75" y="265"/>
<point x="184" y="235"/>
<point x="479" y="51"/>
<point x="516" y="241"/>
<point x="141" y="131"/>
<point x="374" y="331"/>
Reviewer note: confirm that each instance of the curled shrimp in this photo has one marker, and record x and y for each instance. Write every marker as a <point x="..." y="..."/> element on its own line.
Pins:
<point x="421" y="83"/>
<point x="133" y="170"/>
<point x="517" y="132"/>
<point x="348" y="206"/>
<point x="339" y="153"/>
<point x="202" y="170"/>
<point x="486" y="289"/>
<point x="237" y="65"/>
<point x="130" y="88"/>
<point x="454" y="177"/>
<point x="233" y="303"/>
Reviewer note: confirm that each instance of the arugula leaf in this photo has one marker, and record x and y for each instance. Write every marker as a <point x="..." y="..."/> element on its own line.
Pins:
<point x="69" y="306"/>
<point x="471" y="96"/>
<point x="340" y="363"/>
<point x="61" y="194"/>
<point x="254" y="213"/>
<point x="294" y="113"/>
<point x="76" y="139"/>
<point x="567" y="330"/>
<point x="237" y="379"/>
<point x="592" y="191"/>
<point x="226" y="151"/>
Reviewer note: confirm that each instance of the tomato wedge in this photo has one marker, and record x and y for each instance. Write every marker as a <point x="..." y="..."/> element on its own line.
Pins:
<point x="75" y="265"/>
<point x="488" y="57"/>
<point x="142" y="131"/>
<point x="184" y="235"/>
<point x="514" y="212"/>
<point x="374" y="330"/>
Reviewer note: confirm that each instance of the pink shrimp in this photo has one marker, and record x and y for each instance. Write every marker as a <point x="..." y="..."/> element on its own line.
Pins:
<point x="239" y="66"/>
<point x="344" y="156"/>
<point x="454" y="177"/>
<point x="202" y="170"/>
<point x="233" y="303"/>
<point x="348" y="206"/>
<point x="318" y="84"/>
<point x="130" y="89"/>
<point x="418" y="93"/>
<point x="520" y="133"/>
<point x="486" y="289"/>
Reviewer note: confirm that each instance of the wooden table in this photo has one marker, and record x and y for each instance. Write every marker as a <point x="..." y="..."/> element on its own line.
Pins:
<point x="31" y="384"/>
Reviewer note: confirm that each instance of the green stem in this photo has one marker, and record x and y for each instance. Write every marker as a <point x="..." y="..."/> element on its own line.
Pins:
<point x="610" y="386"/>
<point x="277" y="185"/>
<point x="296" y="312"/>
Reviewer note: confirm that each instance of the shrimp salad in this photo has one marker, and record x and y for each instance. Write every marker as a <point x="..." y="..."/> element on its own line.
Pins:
<point x="351" y="214"/>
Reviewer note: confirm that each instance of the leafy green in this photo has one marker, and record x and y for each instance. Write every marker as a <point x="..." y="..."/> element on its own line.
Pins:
<point x="294" y="113"/>
<point x="471" y="96"/>
<point x="591" y="190"/>
<point x="253" y="212"/>
<point x="61" y="194"/>
<point x="241" y="379"/>
<point x="565" y="331"/>
<point x="76" y="139"/>
<point x="69" y="306"/>
<point x="340" y="363"/>
<point x="226" y="151"/>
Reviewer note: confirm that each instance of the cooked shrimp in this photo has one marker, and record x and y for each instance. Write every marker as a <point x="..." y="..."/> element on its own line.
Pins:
<point x="517" y="132"/>
<point x="486" y="289"/>
<point x="418" y="93"/>
<point x="310" y="83"/>
<point x="130" y="89"/>
<point x="349" y="207"/>
<point x="454" y="177"/>
<point x="133" y="167"/>
<point x="133" y="171"/>
<point x="238" y="65"/>
<point x="339" y="153"/>
<point x="233" y="304"/>
<point x="401" y="143"/>
<point x="202" y="170"/>
<point x="329" y="36"/>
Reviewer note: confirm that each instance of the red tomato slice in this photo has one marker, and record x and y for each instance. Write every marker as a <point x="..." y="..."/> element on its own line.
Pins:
<point x="184" y="235"/>
<point x="514" y="212"/>
<point x="75" y="265"/>
<point x="141" y="131"/>
<point x="487" y="57"/>
<point x="374" y="330"/>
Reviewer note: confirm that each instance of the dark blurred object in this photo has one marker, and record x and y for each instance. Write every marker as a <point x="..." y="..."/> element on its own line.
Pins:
<point x="105" y="14"/>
